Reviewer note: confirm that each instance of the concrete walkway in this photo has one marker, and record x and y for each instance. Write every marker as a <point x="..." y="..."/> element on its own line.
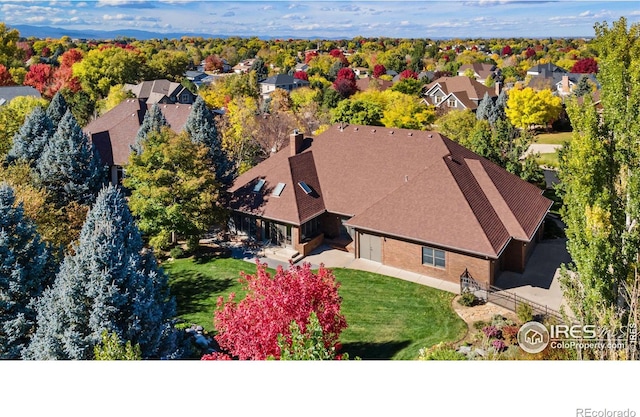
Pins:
<point x="334" y="258"/>
<point x="542" y="148"/>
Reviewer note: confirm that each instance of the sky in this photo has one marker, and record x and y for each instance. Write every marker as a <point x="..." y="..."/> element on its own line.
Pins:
<point x="328" y="19"/>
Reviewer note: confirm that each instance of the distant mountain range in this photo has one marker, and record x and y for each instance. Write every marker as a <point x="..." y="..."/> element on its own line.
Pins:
<point x="55" y="33"/>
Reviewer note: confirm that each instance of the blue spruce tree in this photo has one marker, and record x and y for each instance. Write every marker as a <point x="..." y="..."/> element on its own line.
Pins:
<point x="109" y="284"/>
<point x="201" y="128"/>
<point x="153" y="121"/>
<point x="32" y="137"/>
<point x="26" y="268"/>
<point x="485" y="108"/>
<point x="57" y="109"/>
<point x="70" y="167"/>
<point x="499" y="108"/>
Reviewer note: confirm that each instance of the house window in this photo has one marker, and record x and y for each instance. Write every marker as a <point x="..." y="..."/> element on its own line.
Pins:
<point x="310" y="229"/>
<point x="433" y="257"/>
<point x="452" y="102"/>
<point x="436" y="99"/>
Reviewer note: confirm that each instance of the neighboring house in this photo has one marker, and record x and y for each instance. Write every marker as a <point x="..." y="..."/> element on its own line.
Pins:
<point x="199" y="78"/>
<point x="161" y="91"/>
<point x="361" y="72"/>
<point x="243" y="67"/>
<point x="457" y="93"/>
<point x="410" y="199"/>
<point x="560" y="83"/>
<point x="480" y="71"/>
<point x="301" y="67"/>
<point x="9" y="93"/>
<point x="283" y="81"/>
<point x="114" y="133"/>
<point x="548" y="68"/>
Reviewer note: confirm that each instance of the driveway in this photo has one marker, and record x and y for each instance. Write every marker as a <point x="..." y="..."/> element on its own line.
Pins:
<point x="539" y="282"/>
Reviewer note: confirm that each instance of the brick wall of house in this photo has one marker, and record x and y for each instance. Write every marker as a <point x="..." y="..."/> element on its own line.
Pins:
<point x="408" y="256"/>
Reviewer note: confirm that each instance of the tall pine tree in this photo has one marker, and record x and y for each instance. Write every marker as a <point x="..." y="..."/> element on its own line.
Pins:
<point x="57" y="109"/>
<point x="70" y="167"/>
<point x="485" y="108"/>
<point x="32" y="137"/>
<point x="153" y="121"/>
<point x="201" y="128"/>
<point x="26" y="267"/>
<point x="110" y="283"/>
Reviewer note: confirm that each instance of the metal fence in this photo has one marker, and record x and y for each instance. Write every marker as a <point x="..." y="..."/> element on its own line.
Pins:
<point x="504" y="298"/>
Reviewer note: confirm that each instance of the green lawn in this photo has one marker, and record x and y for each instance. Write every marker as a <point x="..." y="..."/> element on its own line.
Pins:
<point x="548" y="159"/>
<point x="557" y="138"/>
<point x="388" y="318"/>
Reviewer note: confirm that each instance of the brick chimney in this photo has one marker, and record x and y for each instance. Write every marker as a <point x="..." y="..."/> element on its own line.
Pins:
<point x="566" y="88"/>
<point x="295" y="142"/>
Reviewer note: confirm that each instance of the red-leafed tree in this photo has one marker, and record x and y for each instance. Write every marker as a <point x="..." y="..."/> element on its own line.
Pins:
<point x="301" y="75"/>
<point x="345" y="83"/>
<point x="585" y="66"/>
<point x="530" y="52"/>
<point x="5" y="77"/>
<point x="249" y="329"/>
<point x="63" y="76"/>
<point x="379" y="70"/>
<point x="309" y="55"/>
<point x="40" y="76"/>
<point x="213" y="63"/>
<point x="337" y="53"/>
<point x="408" y="74"/>
<point x="506" y="50"/>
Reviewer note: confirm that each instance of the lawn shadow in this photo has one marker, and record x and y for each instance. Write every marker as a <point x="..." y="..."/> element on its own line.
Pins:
<point x="190" y="289"/>
<point x="371" y="350"/>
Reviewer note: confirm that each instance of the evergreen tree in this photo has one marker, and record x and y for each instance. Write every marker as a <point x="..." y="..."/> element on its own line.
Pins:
<point x="201" y="128"/>
<point x="57" y="109"/>
<point x="110" y="283"/>
<point x="485" y="108"/>
<point x="32" y="137"/>
<point x="260" y="68"/>
<point x="153" y="121"/>
<point x="25" y="270"/>
<point x="583" y="87"/>
<point x="499" y="112"/>
<point x="70" y="167"/>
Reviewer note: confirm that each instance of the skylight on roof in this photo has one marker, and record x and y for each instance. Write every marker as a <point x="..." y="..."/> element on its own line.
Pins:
<point x="278" y="190"/>
<point x="305" y="187"/>
<point x="259" y="186"/>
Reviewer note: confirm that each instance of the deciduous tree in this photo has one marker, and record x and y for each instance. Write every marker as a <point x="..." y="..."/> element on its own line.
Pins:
<point x="249" y="329"/>
<point x="173" y="188"/>
<point x="526" y="107"/>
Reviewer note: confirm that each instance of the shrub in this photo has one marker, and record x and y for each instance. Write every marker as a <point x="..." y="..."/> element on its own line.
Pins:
<point x="492" y="332"/>
<point x="467" y="299"/>
<point x="510" y="334"/>
<point x="441" y="352"/>
<point x="479" y="325"/>
<point x="524" y="312"/>
<point x="498" y="345"/>
<point x="177" y="252"/>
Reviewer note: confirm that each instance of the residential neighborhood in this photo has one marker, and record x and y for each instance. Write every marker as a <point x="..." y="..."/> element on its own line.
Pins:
<point x="251" y="198"/>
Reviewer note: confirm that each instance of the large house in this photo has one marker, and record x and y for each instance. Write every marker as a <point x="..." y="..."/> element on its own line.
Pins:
<point x="457" y="93"/>
<point x="114" y="133"/>
<point x="161" y="91"/>
<point x="409" y="199"/>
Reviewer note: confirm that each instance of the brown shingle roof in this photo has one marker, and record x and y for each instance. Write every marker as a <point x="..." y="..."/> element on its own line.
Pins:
<point x="114" y="132"/>
<point x="416" y="185"/>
